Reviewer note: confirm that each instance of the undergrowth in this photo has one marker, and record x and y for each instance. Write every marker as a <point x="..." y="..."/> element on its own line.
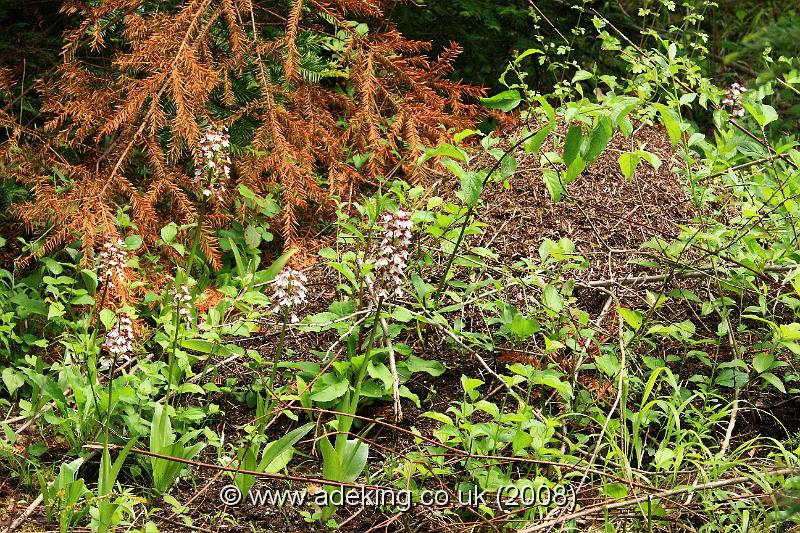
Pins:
<point x="169" y="365"/>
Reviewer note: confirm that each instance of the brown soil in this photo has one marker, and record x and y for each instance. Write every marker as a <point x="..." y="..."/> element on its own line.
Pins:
<point x="606" y="216"/>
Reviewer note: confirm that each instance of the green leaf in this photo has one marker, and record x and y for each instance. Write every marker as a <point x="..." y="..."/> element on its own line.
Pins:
<point x="763" y="362"/>
<point x="763" y="113"/>
<point x="329" y="387"/>
<point x="774" y="380"/>
<point x="633" y="318"/>
<point x="600" y="136"/>
<point x="169" y="232"/>
<point x="582" y="75"/>
<point x="651" y="158"/>
<point x="327" y="253"/>
<point x="401" y="314"/>
<point x="461" y="135"/>
<point x="574" y="170"/>
<point x="89" y="278"/>
<point x="533" y="144"/>
<point x="252" y="237"/>
<point x="417" y="364"/>
<point x="608" y="364"/>
<point x="107" y="317"/>
<point x="671" y="121"/>
<point x="355" y="458"/>
<point x="628" y="162"/>
<point x="572" y="144"/>
<point x="444" y="149"/>
<point x="382" y="373"/>
<point x="13" y="380"/>
<point x="133" y="242"/>
<point x="197" y="345"/>
<point x="553" y="183"/>
<point x="269" y="274"/>
<point x="274" y="450"/>
<point x="471" y="187"/>
<point x="523" y="327"/>
<point x="504" y="101"/>
<point x="616" y="491"/>
<point x="552" y="299"/>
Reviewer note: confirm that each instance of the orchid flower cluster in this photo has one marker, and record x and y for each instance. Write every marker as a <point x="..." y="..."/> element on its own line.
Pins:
<point x="290" y="291"/>
<point x="392" y="257"/>
<point x="733" y="99"/>
<point x="112" y="261"/>
<point x="181" y="298"/>
<point x="215" y="169"/>
<point x="119" y="341"/>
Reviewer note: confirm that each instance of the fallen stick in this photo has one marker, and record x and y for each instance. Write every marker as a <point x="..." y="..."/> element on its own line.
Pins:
<point x="611" y="505"/>
<point x="699" y="273"/>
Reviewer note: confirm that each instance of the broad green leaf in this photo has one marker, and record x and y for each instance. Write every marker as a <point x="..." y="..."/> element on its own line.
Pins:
<point x="401" y="314"/>
<point x="446" y="150"/>
<point x="553" y="183"/>
<point x="471" y="187"/>
<point x="265" y="276"/>
<point x="504" y="101"/>
<point x="252" y="237"/>
<point x="616" y="491"/>
<point x="417" y="364"/>
<point x="382" y="373"/>
<point x="169" y="232"/>
<point x="133" y="242"/>
<point x="274" y="450"/>
<point x="552" y="299"/>
<point x="329" y="387"/>
<point x="574" y="170"/>
<point x="671" y="121"/>
<point x="355" y="458"/>
<point x="763" y="113"/>
<point x="651" y="158"/>
<point x="533" y="144"/>
<point x="572" y="144"/>
<point x="600" y="136"/>
<point x="774" y="380"/>
<point x="628" y="162"/>
<point x="523" y="327"/>
<point x="13" y="380"/>
<point x="633" y="318"/>
<point x="763" y="362"/>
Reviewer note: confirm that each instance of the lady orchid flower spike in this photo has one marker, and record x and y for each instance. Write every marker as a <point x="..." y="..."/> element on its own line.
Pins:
<point x="215" y="167"/>
<point x="290" y="291"/>
<point x="181" y="300"/>
<point x="392" y="256"/>
<point x="732" y="99"/>
<point x="119" y="342"/>
<point x="111" y="262"/>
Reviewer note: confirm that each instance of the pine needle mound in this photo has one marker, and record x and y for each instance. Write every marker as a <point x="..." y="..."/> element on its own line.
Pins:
<point x="607" y="216"/>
